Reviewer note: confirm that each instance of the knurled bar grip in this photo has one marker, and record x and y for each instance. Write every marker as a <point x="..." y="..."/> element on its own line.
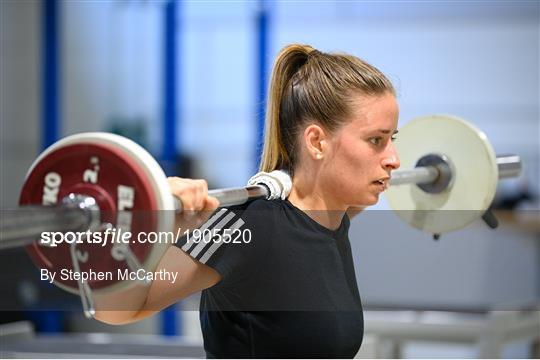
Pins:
<point x="233" y="196"/>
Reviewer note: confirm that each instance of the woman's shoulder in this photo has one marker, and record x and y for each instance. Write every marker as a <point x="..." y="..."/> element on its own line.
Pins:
<point x="258" y="205"/>
<point x="263" y="204"/>
<point x="259" y="211"/>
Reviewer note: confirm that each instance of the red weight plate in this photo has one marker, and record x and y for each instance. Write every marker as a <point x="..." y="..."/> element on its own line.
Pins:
<point x="115" y="180"/>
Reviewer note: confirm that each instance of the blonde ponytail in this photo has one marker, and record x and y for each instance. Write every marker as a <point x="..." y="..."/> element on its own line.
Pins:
<point x="307" y="84"/>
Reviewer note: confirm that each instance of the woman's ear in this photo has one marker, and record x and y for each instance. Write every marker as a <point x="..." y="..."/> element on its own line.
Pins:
<point x="315" y="141"/>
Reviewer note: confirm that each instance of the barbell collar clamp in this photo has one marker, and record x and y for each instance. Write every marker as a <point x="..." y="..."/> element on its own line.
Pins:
<point x="444" y="178"/>
<point x="85" y="292"/>
<point x="87" y="204"/>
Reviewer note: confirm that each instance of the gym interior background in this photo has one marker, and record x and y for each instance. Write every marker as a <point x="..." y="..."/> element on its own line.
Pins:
<point x="187" y="81"/>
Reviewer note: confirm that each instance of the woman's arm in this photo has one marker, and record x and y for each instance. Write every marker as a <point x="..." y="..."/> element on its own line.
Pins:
<point x="142" y="301"/>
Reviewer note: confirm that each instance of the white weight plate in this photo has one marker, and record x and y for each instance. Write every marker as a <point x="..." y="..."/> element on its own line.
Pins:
<point x="474" y="168"/>
<point x="155" y="175"/>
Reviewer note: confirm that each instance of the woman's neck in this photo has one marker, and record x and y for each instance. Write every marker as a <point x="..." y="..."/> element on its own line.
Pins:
<point x="307" y="195"/>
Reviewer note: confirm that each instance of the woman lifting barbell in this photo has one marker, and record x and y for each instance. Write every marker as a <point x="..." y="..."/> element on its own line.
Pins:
<point x="290" y="291"/>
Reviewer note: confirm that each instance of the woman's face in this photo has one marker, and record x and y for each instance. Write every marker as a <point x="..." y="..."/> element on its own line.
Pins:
<point x="360" y="155"/>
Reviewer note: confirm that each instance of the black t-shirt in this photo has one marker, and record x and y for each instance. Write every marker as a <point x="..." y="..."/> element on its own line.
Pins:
<point x="288" y="285"/>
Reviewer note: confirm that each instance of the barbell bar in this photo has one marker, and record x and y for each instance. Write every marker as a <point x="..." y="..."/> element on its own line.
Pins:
<point x="78" y="214"/>
<point x="20" y="229"/>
